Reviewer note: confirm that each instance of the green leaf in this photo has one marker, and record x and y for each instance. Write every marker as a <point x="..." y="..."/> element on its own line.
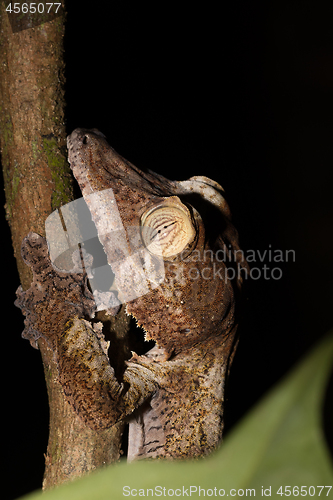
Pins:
<point x="279" y="443"/>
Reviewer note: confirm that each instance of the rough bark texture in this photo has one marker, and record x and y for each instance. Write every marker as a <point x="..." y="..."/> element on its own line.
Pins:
<point x="37" y="181"/>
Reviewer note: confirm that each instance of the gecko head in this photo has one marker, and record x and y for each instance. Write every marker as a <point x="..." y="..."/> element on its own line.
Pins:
<point x="183" y="227"/>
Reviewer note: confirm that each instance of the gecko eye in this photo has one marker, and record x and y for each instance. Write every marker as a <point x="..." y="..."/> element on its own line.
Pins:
<point x="167" y="228"/>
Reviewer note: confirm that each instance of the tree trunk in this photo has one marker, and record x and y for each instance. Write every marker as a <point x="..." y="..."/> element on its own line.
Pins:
<point x="37" y="180"/>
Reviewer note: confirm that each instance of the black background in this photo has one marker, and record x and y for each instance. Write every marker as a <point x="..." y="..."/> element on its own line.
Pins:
<point x="241" y="92"/>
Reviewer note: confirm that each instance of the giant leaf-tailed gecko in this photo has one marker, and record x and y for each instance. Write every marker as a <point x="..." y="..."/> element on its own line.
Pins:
<point x="173" y="396"/>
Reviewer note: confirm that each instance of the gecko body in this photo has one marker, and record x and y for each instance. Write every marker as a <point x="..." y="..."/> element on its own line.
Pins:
<point x="172" y="395"/>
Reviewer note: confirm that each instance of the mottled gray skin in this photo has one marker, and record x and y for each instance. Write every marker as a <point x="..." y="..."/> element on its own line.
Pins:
<point x="173" y="395"/>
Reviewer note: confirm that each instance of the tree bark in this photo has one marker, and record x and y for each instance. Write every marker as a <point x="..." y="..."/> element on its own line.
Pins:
<point x="37" y="181"/>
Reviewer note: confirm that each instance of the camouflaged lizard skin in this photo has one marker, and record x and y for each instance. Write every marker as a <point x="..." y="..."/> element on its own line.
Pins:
<point x="173" y="395"/>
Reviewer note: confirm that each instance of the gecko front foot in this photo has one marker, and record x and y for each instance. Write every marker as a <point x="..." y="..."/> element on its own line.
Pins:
<point x="53" y="298"/>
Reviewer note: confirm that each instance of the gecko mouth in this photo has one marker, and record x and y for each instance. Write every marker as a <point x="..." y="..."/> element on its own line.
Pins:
<point x="125" y="337"/>
<point x="137" y="338"/>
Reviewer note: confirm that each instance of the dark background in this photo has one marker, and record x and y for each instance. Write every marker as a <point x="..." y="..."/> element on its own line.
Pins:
<point x="243" y="94"/>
